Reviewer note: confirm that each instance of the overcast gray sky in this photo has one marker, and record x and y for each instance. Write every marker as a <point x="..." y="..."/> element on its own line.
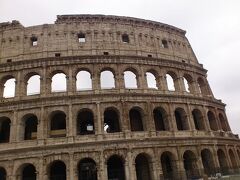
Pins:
<point x="213" y="28"/>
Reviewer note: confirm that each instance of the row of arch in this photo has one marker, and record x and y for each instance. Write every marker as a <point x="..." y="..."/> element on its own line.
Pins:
<point x="87" y="168"/>
<point x="107" y="81"/>
<point x="112" y="122"/>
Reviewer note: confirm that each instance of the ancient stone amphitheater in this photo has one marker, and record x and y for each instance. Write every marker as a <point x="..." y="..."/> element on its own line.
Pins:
<point x="108" y="97"/>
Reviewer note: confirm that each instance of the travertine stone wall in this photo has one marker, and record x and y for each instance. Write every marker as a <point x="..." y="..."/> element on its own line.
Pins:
<point x="208" y="132"/>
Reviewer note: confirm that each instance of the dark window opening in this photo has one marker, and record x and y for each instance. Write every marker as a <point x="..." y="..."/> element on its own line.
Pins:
<point x="30" y="132"/>
<point x="105" y="53"/>
<point x="159" y="119"/>
<point x="181" y="120"/>
<point x="212" y="121"/>
<point x="4" y="130"/>
<point x="190" y="165"/>
<point x="149" y="55"/>
<point x="9" y="60"/>
<point x="207" y="161"/>
<point x="135" y="120"/>
<point x="164" y="44"/>
<point x="111" y="121"/>
<point x="29" y="173"/>
<point x="87" y="170"/>
<point x="3" y="174"/>
<point x="81" y="38"/>
<point x="168" y="165"/>
<point x="85" y="123"/>
<point x="142" y="167"/>
<point x="57" y="54"/>
<point x="115" y="168"/>
<point x="198" y="119"/>
<point x="125" y="38"/>
<point x="222" y="162"/>
<point x="58" y="171"/>
<point x="58" y="125"/>
<point x="34" y="41"/>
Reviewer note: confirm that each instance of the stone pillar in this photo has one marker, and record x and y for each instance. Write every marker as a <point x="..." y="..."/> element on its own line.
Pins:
<point x="71" y="82"/>
<point x="18" y="85"/>
<point x="215" y="159"/>
<point x="95" y="79"/>
<point x="217" y="119"/>
<point x="149" y="120"/>
<point x="181" y="85"/>
<point x="190" y="119"/>
<point x="41" y="173"/>
<point x="103" y="168"/>
<point x="155" y="168"/>
<point x="131" y="168"/>
<point x="205" y="116"/>
<point x="71" y="129"/>
<point x="13" y="128"/>
<point x="71" y="167"/>
<point x="172" y="118"/>
<point x="99" y="121"/>
<point x="43" y="82"/>
<point x="42" y="125"/>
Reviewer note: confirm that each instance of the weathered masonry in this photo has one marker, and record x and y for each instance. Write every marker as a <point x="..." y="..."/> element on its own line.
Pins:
<point x="132" y="103"/>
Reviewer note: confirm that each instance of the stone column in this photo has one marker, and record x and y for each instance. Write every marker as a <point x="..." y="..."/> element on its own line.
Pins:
<point x="41" y="173"/>
<point x="215" y="159"/>
<point x="71" y="167"/>
<point x="43" y="82"/>
<point x="217" y="119"/>
<point x="71" y="82"/>
<point x="149" y="119"/>
<point x="42" y="125"/>
<point x="131" y="169"/>
<point x="205" y="116"/>
<point x="13" y="129"/>
<point x="181" y="85"/>
<point x="99" y="121"/>
<point x="18" y="85"/>
<point x="155" y="168"/>
<point x="172" y="118"/>
<point x="103" y="168"/>
<point x="190" y="119"/>
<point x="71" y="129"/>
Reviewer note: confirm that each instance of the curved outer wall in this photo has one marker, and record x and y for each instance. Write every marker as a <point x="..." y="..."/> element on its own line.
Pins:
<point x="149" y="47"/>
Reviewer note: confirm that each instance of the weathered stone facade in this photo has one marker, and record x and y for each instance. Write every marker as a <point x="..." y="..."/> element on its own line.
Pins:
<point x="153" y="133"/>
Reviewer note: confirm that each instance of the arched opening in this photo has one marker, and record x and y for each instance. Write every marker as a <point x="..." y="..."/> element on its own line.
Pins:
<point x="33" y="85"/>
<point x="58" y="124"/>
<point x="202" y="86"/>
<point x="142" y="167"/>
<point x="238" y="152"/>
<point x="160" y="119"/>
<point x="84" y="81"/>
<point x="85" y="122"/>
<point x="233" y="161"/>
<point x="187" y="80"/>
<point x="135" y="120"/>
<point x="31" y="123"/>
<point x="111" y="121"/>
<point x="190" y="165"/>
<point x="223" y="122"/>
<point x="59" y="83"/>
<point x="207" y="161"/>
<point x="107" y="80"/>
<point x="222" y="162"/>
<point x="169" y="167"/>
<point x="3" y="173"/>
<point x="181" y="119"/>
<point x="151" y="80"/>
<point x="57" y="171"/>
<point x="198" y="119"/>
<point x="170" y="82"/>
<point x="29" y="172"/>
<point x="212" y="121"/>
<point x="9" y="88"/>
<point x="130" y="80"/>
<point x="5" y="124"/>
<point x="115" y="168"/>
<point x="87" y="169"/>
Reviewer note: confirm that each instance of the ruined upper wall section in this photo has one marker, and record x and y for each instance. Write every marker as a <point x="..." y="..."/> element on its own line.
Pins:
<point x="66" y="19"/>
<point x="102" y="35"/>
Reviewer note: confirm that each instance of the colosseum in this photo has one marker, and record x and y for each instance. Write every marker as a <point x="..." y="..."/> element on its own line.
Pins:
<point x="97" y="97"/>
